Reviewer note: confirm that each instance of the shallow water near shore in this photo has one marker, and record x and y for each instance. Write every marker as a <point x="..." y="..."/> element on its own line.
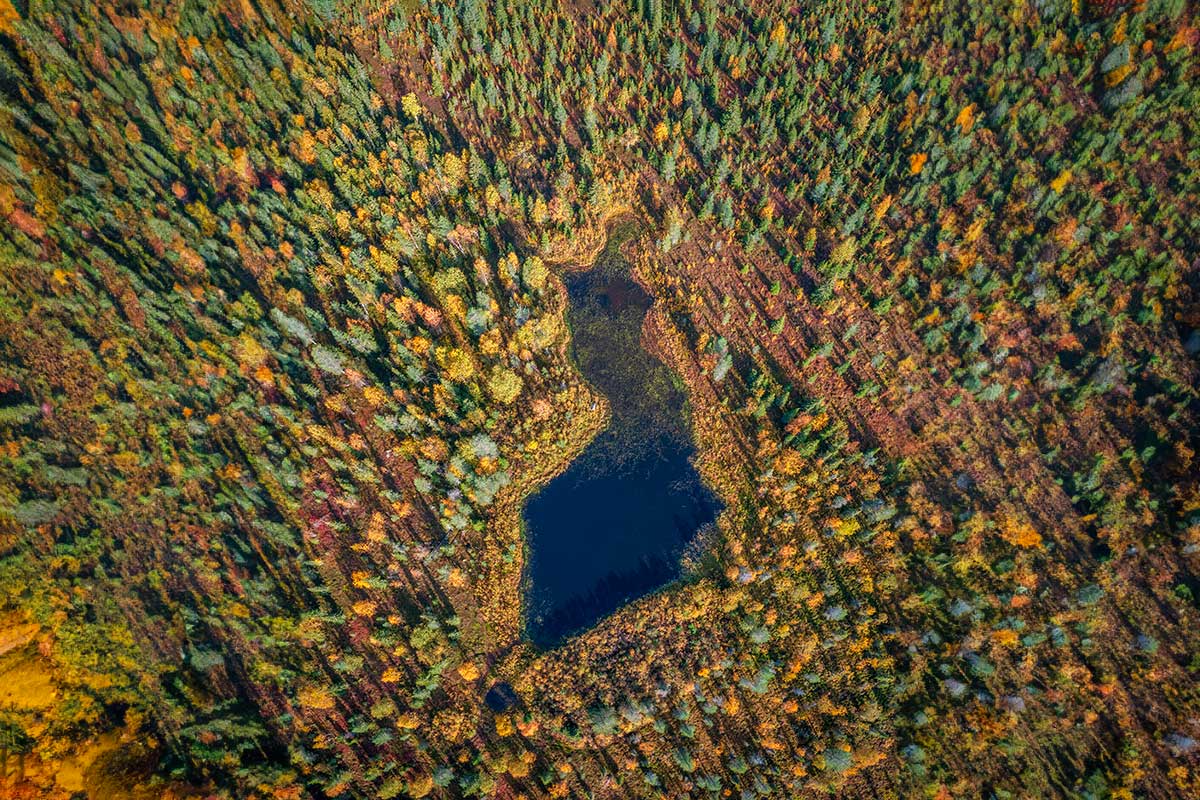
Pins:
<point x="613" y="525"/>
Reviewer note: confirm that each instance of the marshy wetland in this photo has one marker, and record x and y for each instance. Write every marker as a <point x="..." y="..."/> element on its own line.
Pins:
<point x="613" y="525"/>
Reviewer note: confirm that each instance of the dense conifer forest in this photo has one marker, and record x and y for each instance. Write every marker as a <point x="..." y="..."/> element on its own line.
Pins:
<point x="285" y="350"/>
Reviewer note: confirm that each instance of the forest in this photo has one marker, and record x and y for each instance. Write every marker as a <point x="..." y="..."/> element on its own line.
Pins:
<point x="287" y="349"/>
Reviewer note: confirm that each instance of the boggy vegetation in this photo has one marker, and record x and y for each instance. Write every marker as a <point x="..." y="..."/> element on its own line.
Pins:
<point x="282" y="351"/>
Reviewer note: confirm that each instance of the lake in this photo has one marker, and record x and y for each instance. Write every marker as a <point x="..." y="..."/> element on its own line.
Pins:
<point x="612" y="527"/>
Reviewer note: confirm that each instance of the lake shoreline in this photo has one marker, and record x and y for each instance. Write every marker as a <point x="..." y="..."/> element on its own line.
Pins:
<point x="647" y="427"/>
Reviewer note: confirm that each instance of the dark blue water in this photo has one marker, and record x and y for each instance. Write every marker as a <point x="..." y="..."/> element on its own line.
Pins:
<point x="612" y="527"/>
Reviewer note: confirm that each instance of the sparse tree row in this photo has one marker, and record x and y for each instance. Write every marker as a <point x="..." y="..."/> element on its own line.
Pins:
<point x="282" y="351"/>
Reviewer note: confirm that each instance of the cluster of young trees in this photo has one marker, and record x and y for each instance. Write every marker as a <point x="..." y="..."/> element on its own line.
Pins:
<point x="282" y="350"/>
